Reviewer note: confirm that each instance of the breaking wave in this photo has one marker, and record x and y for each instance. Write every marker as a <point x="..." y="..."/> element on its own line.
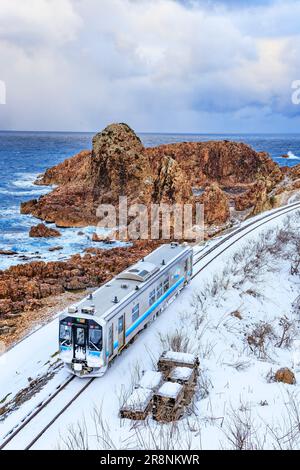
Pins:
<point x="292" y="156"/>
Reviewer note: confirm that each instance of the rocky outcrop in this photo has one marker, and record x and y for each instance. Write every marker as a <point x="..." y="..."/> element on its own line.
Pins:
<point x="8" y="252"/>
<point x="41" y="231"/>
<point x="171" y="184"/>
<point x="285" y="375"/>
<point x="216" y="206"/>
<point x="258" y="198"/>
<point x="23" y="287"/>
<point x="119" y="165"/>
<point x="73" y="169"/>
<point x="228" y="163"/>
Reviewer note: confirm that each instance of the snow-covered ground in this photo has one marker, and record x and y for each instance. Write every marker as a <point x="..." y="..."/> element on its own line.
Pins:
<point x="247" y="289"/>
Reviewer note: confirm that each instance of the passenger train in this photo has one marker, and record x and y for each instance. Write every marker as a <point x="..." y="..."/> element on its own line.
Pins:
<point x="98" y="329"/>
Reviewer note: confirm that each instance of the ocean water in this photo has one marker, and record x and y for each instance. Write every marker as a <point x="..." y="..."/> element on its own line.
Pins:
<point x="24" y="155"/>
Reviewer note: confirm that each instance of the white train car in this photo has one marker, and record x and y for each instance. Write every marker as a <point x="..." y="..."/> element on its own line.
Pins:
<point x="92" y="334"/>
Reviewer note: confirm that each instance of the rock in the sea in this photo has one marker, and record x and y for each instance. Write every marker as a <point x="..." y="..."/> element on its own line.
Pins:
<point x="8" y="252"/>
<point x="119" y="165"/>
<point x="285" y="375"/>
<point x="216" y="205"/>
<point x="40" y="231"/>
<point x="55" y="248"/>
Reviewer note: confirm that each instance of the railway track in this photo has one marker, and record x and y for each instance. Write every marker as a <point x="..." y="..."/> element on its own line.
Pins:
<point x="81" y="387"/>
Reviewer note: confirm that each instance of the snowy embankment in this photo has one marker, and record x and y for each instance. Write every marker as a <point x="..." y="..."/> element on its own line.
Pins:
<point x="233" y="315"/>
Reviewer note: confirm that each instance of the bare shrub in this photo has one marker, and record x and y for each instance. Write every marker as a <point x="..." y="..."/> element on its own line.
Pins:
<point x="124" y="392"/>
<point x="80" y="437"/>
<point x="259" y="339"/>
<point x="239" y="430"/>
<point x="76" y="437"/>
<point x="174" y="436"/>
<point x="285" y="433"/>
<point x="204" y="384"/>
<point x="270" y="377"/>
<point x="288" y="332"/>
<point x="239" y="365"/>
<point x="177" y="341"/>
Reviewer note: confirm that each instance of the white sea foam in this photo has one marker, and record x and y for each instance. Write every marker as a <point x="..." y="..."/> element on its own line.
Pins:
<point x="37" y="249"/>
<point x="292" y="156"/>
<point x="34" y="192"/>
<point x="25" y="180"/>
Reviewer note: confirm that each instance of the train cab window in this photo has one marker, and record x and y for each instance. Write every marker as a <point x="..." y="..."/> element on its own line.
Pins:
<point x="152" y="297"/>
<point x="65" y="334"/>
<point x="95" y="339"/>
<point x="166" y="285"/>
<point x="80" y="336"/>
<point x="135" y="312"/>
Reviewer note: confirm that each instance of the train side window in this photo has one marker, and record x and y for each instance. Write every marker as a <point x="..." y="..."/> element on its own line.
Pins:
<point x="135" y="312"/>
<point x="166" y="285"/>
<point x="159" y="291"/>
<point x="152" y="297"/>
<point x="120" y="325"/>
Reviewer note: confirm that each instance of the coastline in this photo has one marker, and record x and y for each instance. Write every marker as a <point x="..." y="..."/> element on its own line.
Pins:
<point x="228" y="198"/>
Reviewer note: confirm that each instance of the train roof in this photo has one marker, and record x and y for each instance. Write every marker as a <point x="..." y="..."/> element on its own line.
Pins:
<point x="114" y="292"/>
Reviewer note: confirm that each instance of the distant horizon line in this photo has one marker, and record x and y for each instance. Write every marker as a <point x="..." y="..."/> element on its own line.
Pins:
<point x="148" y="133"/>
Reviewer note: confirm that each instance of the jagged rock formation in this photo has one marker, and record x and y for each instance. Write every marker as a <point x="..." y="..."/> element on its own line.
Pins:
<point x="216" y="205"/>
<point x="76" y="168"/>
<point x="119" y="165"/>
<point x="171" y="184"/>
<point x="228" y="163"/>
<point x="258" y="198"/>
<point x="41" y="231"/>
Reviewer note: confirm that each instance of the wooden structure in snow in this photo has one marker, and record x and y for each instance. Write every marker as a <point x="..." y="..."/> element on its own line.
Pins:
<point x="170" y="359"/>
<point x="187" y="377"/>
<point x="138" y="405"/>
<point x="168" y="402"/>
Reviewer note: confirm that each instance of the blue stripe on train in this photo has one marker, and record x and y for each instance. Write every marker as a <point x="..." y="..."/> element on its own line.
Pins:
<point x="153" y="307"/>
<point x="149" y="311"/>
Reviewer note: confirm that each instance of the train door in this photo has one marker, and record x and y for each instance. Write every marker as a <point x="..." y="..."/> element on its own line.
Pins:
<point x="121" y="331"/>
<point x="79" y="341"/>
<point x="186" y="267"/>
<point x="111" y="339"/>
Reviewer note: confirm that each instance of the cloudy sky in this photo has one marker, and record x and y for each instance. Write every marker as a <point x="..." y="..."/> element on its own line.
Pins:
<point x="159" y="65"/>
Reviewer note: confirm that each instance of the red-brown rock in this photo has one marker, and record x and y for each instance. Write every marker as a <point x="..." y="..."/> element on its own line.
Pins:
<point x="285" y="375"/>
<point x="40" y="231"/>
<point x="119" y="165"/>
<point x="23" y="287"/>
<point x="216" y="205"/>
